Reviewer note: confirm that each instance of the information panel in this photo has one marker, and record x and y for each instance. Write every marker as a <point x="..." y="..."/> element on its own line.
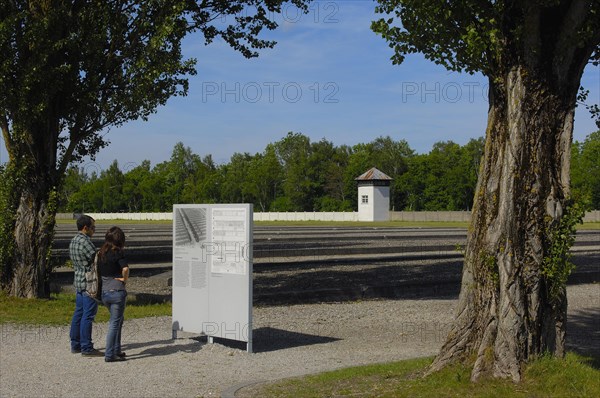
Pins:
<point x="212" y="270"/>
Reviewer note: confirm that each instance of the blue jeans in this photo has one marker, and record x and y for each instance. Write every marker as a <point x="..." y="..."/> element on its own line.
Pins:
<point x="81" y="324"/>
<point x="115" y="302"/>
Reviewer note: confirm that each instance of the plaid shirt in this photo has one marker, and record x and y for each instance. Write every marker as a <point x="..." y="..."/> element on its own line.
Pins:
<point x="82" y="252"/>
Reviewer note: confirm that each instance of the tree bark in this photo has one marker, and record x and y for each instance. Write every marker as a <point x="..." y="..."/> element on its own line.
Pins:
<point x="33" y="238"/>
<point x="26" y="262"/>
<point x="505" y="314"/>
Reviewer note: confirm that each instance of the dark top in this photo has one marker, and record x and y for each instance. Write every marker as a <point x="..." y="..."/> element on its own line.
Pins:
<point x="110" y="267"/>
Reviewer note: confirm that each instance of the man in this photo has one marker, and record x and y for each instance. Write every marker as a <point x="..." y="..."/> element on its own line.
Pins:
<point x="82" y="252"/>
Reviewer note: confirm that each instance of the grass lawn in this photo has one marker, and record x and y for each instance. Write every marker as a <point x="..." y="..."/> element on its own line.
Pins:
<point x="574" y="376"/>
<point x="58" y="310"/>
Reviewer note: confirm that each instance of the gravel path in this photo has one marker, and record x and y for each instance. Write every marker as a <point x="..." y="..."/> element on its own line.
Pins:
<point x="288" y="340"/>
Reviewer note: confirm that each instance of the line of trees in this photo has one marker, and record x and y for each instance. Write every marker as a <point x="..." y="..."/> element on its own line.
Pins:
<point x="295" y="174"/>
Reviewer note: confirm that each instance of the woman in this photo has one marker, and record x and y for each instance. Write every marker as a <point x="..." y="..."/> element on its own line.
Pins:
<point x="113" y="268"/>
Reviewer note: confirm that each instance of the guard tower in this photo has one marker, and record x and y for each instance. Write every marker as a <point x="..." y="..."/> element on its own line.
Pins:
<point x="374" y="196"/>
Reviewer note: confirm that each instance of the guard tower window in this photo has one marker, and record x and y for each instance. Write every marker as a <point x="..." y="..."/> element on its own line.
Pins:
<point x="365" y="199"/>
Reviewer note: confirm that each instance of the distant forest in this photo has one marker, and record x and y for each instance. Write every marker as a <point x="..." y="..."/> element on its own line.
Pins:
<point x="295" y="174"/>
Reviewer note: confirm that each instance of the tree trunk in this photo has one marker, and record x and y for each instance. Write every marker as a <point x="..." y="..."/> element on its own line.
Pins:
<point x="26" y="270"/>
<point x="506" y="314"/>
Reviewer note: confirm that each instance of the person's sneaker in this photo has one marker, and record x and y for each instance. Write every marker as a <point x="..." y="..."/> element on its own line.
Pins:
<point x="93" y="353"/>
<point x="75" y="351"/>
<point x="121" y="354"/>
<point x="114" y="359"/>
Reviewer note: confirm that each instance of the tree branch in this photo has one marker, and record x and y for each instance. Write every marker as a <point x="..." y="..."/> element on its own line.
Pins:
<point x="532" y="36"/>
<point x="6" y="133"/>
<point x="566" y="48"/>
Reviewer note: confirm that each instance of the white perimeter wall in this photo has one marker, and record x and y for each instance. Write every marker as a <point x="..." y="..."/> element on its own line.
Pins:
<point x="464" y="216"/>
<point x="129" y="216"/>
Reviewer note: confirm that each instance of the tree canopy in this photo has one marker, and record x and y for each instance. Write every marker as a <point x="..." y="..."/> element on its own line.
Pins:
<point x="485" y="36"/>
<point x="70" y="70"/>
<point x="73" y="69"/>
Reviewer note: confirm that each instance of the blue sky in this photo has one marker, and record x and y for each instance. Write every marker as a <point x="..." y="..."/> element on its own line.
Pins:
<point x="328" y="77"/>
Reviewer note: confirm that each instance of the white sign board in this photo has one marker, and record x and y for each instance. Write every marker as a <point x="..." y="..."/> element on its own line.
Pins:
<point x="212" y="270"/>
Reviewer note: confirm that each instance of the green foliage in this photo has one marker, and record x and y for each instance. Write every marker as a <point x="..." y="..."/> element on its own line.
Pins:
<point x="250" y="16"/>
<point x="450" y="34"/>
<point x="8" y="184"/>
<point x="443" y="179"/>
<point x="557" y="265"/>
<point x="331" y="204"/>
<point x="82" y="68"/>
<point x="264" y="175"/>
<point x="490" y="262"/>
<point x="282" y="204"/>
<point x="135" y="187"/>
<point x="488" y="36"/>
<point x="585" y="170"/>
<point x="293" y="152"/>
<point x="593" y="109"/>
<point x="74" y="180"/>
<point x="234" y="177"/>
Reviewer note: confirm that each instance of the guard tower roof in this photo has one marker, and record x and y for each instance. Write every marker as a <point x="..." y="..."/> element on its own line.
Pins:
<point x="374" y="174"/>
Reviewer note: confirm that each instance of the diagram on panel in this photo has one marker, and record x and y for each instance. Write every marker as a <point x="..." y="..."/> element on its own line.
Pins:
<point x="190" y="226"/>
